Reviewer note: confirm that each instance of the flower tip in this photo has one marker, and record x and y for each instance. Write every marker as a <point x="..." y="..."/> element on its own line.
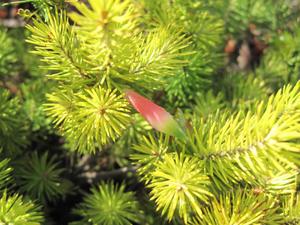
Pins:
<point x="157" y="116"/>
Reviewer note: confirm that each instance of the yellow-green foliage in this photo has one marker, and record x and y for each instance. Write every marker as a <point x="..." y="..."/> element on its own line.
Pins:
<point x="109" y="203"/>
<point x="109" y="48"/>
<point x="12" y="124"/>
<point x="239" y="163"/>
<point x="257" y="147"/>
<point x="15" y="210"/>
<point x="8" y="56"/>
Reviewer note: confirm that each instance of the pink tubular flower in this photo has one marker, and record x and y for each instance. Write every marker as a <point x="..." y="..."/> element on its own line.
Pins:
<point x="157" y="116"/>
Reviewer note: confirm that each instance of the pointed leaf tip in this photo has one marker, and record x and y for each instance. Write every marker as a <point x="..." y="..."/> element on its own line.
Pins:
<point x="157" y="116"/>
